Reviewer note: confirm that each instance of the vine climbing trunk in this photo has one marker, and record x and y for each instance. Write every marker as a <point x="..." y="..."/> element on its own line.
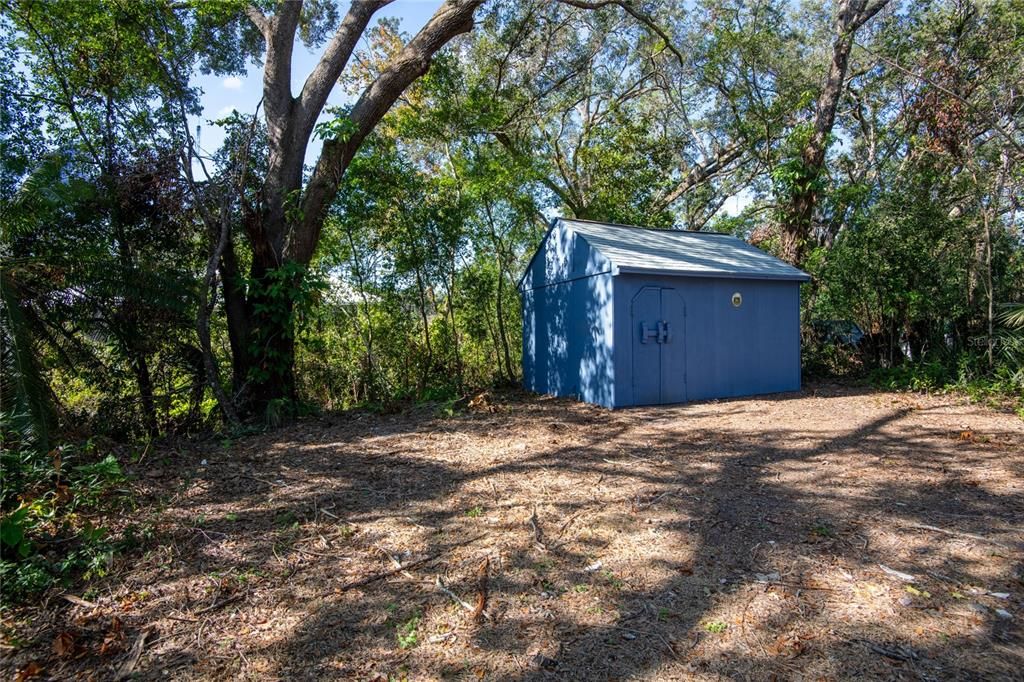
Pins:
<point x="803" y="195"/>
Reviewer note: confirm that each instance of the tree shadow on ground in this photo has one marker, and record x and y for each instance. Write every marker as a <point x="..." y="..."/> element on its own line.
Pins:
<point x="730" y="535"/>
<point x="750" y="538"/>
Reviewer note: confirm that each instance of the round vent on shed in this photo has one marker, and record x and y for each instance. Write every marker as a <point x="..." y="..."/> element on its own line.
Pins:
<point x="737" y="299"/>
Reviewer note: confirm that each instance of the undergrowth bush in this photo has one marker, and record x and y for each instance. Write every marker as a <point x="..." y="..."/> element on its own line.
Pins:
<point x="967" y="373"/>
<point x="48" y="501"/>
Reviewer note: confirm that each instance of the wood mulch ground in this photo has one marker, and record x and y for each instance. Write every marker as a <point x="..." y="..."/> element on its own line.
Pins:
<point x="837" y="533"/>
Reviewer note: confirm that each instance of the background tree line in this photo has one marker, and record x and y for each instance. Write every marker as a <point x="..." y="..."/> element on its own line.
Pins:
<point x="152" y="287"/>
<point x="149" y="287"/>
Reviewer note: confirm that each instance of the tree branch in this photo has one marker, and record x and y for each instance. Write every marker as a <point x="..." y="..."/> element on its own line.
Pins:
<point x="868" y="11"/>
<point x="636" y="14"/>
<point x="702" y="172"/>
<point x="454" y="17"/>
<point x="333" y="61"/>
<point x="277" y="75"/>
<point x="258" y="18"/>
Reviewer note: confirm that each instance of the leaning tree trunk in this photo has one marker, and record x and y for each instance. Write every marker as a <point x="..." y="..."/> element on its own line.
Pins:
<point x="207" y="295"/>
<point x="803" y="196"/>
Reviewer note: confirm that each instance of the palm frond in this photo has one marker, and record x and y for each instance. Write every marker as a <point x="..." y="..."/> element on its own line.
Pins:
<point x="1013" y="315"/>
<point x="28" y="414"/>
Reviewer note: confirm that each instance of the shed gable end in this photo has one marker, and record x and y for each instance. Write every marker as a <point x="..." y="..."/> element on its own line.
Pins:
<point x="563" y="256"/>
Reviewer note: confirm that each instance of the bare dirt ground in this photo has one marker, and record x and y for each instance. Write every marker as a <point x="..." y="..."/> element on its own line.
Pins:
<point x="831" y="534"/>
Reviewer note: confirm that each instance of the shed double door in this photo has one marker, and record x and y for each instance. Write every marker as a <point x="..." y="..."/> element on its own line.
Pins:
<point x="659" y="354"/>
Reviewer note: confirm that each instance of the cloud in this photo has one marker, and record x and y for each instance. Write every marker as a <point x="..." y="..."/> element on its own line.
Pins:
<point x="233" y="83"/>
<point x="225" y="111"/>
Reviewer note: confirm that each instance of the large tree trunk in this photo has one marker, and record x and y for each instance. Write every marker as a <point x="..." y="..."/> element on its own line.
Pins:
<point x="797" y="216"/>
<point x="279" y="235"/>
<point x="271" y="374"/>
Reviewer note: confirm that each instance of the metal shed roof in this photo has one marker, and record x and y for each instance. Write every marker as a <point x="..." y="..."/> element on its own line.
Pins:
<point x="633" y="249"/>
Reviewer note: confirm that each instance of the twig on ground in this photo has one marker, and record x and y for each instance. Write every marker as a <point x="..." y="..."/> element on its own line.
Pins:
<point x="206" y="534"/>
<point x="794" y="586"/>
<point x="955" y="533"/>
<point x="325" y="538"/>
<point x="899" y="575"/>
<point x="320" y="554"/>
<point x="640" y="506"/>
<point x="481" y="590"/>
<point x="631" y="460"/>
<point x="395" y="562"/>
<point x="538" y="535"/>
<point x="751" y="465"/>
<point x="183" y="619"/>
<point x="943" y="578"/>
<point x="897" y="653"/>
<point x="441" y="587"/>
<point x="78" y="601"/>
<point x="668" y="645"/>
<point x="219" y="605"/>
<point x="145" y="451"/>
<point x="272" y="484"/>
<point x="535" y="522"/>
<point x="568" y="522"/>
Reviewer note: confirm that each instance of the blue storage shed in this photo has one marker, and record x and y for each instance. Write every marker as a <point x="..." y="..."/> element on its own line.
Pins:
<point x="620" y="315"/>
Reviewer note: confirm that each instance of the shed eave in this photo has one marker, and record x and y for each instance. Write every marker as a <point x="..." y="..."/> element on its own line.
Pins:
<point x="715" y="274"/>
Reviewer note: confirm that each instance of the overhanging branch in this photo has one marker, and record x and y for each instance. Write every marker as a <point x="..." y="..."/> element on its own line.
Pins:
<point x="636" y="13"/>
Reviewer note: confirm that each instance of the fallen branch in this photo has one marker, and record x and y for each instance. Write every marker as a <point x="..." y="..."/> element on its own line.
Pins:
<point x="403" y="567"/>
<point x="955" y="533"/>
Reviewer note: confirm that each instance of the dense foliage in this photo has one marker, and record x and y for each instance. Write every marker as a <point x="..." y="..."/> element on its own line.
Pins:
<point x="150" y="288"/>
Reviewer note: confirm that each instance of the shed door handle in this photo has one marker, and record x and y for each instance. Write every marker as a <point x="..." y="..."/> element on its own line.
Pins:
<point x="660" y="332"/>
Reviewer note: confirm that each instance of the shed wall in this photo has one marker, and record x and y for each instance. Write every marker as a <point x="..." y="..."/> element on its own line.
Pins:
<point x="729" y="351"/>
<point x="568" y="333"/>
